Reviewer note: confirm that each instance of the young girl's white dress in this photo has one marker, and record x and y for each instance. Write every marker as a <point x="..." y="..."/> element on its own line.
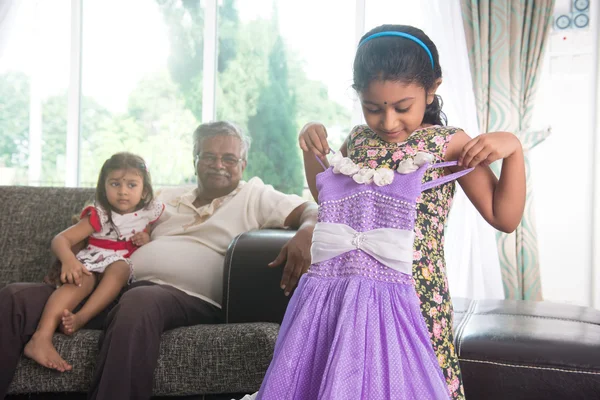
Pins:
<point x="111" y="242"/>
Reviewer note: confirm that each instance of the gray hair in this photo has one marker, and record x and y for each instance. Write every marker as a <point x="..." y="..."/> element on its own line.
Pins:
<point x="220" y="128"/>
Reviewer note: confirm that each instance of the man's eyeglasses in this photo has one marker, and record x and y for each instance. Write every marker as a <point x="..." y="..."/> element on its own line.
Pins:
<point x="211" y="159"/>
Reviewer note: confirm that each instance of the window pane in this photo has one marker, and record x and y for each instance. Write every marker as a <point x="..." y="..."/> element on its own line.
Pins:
<point x="141" y="84"/>
<point x="34" y="77"/>
<point x="277" y="70"/>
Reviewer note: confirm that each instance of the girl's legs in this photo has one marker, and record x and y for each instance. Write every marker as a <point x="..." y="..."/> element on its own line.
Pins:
<point x="40" y="347"/>
<point x="114" y="278"/>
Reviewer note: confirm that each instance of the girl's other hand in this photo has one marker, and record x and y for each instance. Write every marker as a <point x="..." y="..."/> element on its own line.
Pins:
<point x="313" y="138"/>
<point x="73" y="272"/>
<point x="140" y="238"/>
<point x="489" y="147"/>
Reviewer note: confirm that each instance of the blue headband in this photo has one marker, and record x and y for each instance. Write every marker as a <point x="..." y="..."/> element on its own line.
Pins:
<point x="400" y="34"/>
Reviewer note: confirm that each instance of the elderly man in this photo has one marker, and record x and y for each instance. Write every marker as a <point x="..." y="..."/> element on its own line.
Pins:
<point x="179" y="273"/>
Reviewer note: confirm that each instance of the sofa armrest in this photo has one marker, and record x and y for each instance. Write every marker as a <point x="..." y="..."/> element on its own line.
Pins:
<point x="251" y="291"/>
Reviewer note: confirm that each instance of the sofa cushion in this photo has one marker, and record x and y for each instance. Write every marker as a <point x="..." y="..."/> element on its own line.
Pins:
<point x="30" y="218"/>
<point x="199" y="359"/>
<point x="527" y="350"/>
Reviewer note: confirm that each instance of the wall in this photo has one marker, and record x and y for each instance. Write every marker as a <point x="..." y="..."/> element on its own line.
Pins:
<point x="563" y="166"/>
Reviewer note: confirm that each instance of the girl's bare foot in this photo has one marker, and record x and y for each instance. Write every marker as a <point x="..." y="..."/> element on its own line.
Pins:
<point x="69" y="323"/>
<point x="41" y="350"/>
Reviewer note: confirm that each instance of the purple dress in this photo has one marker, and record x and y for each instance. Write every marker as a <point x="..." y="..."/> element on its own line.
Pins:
<point x="353" y="328"/>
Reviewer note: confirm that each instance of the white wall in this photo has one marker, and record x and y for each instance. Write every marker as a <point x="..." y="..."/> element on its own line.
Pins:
<point x="596" y="239"/>
<point x="563" y="165"/>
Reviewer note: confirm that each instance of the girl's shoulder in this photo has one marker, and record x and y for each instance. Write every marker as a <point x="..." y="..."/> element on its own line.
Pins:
<point x="361" y="131"/>
<point x="152" y="211"/>
<point x="362" y="135"/>
<point x="434" y="131"/>
<point x="433" y="139"/>
<point x="97" y="215"/>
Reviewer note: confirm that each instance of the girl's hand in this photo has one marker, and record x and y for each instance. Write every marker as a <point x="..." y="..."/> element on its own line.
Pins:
<point x="313" y="138"/>
<point x="487" y="148"/>
<point x="72" y="272"/>
<point x="140" y="238"/>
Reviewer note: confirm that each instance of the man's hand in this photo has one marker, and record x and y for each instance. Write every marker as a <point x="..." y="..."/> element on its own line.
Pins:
<point x="296" y="255"/>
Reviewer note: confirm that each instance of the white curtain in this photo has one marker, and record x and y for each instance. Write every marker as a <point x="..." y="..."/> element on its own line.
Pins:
<point x="472" y="263"/>
<point x="8" y="14"/>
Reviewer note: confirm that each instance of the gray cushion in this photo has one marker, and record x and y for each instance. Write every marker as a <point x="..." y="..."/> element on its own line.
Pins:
<point x="203" y="359"/>
<point x="30" y="218"/>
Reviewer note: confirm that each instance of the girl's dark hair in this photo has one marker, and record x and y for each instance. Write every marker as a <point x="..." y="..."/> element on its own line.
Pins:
<point x="124" y="161"/>
<point x="400" y="59"/>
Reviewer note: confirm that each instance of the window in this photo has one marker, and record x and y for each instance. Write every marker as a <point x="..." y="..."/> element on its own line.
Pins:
<point x="34" y="78"/>
<point x="279" y="64"/>
<point x="277" y="70"/>
<point x="141" y="85"/>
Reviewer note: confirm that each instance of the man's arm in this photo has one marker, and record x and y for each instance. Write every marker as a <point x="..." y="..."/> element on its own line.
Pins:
<point x="296" y="252"/>
<point x="302" y="217"/>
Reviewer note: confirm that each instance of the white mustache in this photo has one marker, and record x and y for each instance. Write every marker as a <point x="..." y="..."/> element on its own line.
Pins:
<point x="220" y="172"/>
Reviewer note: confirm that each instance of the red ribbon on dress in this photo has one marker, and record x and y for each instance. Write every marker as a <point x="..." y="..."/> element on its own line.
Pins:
<point x="114" y="245"/>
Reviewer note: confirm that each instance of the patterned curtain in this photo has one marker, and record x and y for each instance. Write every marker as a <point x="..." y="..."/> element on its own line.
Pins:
<point x="506" y="41"/>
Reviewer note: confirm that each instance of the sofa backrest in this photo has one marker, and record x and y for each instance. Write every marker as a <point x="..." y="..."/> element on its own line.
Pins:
<point x="30" y="217"/>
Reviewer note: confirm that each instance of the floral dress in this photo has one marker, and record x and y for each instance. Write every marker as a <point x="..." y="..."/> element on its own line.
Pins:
<point x="429" y="271"/>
